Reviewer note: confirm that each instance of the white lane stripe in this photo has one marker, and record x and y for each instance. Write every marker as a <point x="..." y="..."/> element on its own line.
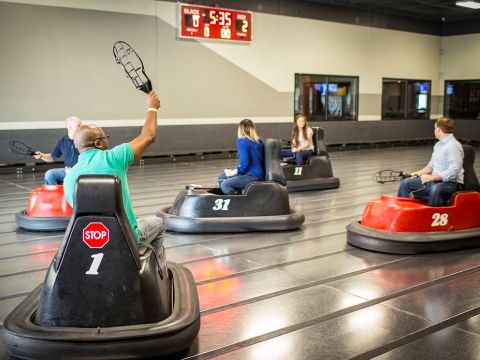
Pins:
<point x="139" y="122"/>
<point x="34" y="125"/>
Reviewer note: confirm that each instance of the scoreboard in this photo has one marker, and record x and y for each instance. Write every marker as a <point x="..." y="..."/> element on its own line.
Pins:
<point x="202" y="22"/>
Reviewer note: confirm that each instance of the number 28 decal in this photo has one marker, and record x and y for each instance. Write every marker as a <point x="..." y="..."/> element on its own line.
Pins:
<point x="439" y="219"/>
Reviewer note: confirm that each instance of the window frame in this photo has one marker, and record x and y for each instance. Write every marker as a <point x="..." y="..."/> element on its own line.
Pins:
<point x="327" y="76"/>
<point x="445" y="83"/>
<point x="406" y="81"/>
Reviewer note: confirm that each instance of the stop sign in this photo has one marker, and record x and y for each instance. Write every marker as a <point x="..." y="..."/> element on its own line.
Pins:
<point x="96" y="235"/>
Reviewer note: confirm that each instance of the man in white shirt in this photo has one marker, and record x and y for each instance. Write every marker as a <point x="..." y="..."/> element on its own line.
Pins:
<point x="444" y="173"/>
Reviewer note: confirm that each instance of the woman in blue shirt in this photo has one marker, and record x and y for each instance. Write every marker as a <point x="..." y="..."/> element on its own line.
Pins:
<point x="250" y="154"/>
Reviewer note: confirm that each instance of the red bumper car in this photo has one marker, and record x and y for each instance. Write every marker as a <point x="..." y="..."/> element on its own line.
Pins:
<point x="408" y="226"/>
<point x="47" y="210"/>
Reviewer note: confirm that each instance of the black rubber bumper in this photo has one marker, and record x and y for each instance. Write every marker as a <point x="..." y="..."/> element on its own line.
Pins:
<point x="27" y="340"/>
<point x="313" y="184"/>
<point x="231" y="224"/>
<point x="410" y="242"/>
<point x="41" y="223"/>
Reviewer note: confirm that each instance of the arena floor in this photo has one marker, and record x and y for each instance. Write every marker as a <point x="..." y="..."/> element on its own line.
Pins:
<point x="302" y="294"/>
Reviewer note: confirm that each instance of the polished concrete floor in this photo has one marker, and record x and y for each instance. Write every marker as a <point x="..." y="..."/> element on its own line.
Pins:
<point x="303" y="294"/>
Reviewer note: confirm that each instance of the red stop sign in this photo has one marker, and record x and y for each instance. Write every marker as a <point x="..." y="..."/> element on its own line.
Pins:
<point x="96" y="235"/>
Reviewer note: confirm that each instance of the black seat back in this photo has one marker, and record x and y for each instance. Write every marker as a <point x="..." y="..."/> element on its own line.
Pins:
<point x="319" y="145"/>
<point x="470" y="180"/>
<point x="98" y="278"/>
<point x="272" y="154"/>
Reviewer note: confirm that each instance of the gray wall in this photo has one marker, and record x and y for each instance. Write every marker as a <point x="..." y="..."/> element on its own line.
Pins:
<point x="200" y="139"/>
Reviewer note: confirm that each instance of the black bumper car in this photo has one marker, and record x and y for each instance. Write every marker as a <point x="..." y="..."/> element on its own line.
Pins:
<point x="104" y="296"/>
<point x="262" y="206"/>
<point x="316" y="173"/>
<point x="409" y="226"/>
<point x="47" y="210"/>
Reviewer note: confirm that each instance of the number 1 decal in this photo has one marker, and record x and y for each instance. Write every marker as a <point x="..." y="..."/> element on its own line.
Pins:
<point x="439" y="219"/>
<point x="97" y="259"/>
<point x="298" y="170"/>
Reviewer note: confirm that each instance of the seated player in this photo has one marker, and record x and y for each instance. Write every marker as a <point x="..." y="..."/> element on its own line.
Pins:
<point x="96" y="158"/>
<point x="302" y="143"/>
<point x="250" y="154"/>
<point x="444" y="173"/>
<point x="64" y="147"/>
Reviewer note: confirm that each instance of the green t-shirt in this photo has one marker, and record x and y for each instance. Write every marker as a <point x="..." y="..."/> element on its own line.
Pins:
<point x="94" y="161"/>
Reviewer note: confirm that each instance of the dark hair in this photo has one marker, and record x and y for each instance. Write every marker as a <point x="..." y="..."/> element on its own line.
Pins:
<point x="445" y="124"/>
<point x="295" y="132"/>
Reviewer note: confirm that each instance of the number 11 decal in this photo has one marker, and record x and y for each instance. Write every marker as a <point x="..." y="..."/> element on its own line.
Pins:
<point x="97" y="259"/>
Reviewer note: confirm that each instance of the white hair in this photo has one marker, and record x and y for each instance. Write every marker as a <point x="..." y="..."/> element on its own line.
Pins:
<point x="73" y="122"/>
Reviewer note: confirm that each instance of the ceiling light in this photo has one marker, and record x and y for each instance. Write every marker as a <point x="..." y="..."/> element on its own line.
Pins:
<point x="468" y="4"/>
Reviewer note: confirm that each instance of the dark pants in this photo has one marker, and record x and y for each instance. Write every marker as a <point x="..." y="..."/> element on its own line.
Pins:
<point x="237" y="182"/>
<point x="300" y="156"/>
<point x="438" y="192"/>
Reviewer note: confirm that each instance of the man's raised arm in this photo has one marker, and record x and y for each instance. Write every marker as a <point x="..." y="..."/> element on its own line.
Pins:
<point x="149" y="130"/>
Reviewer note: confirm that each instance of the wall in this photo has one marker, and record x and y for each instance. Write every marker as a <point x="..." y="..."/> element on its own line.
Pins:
<point x="59" y="60"/>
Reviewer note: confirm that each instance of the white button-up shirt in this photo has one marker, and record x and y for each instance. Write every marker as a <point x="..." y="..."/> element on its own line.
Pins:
<point x="447" y="159"/>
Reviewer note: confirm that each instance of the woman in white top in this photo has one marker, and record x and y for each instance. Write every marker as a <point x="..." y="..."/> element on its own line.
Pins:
<point x="302" y="144"/>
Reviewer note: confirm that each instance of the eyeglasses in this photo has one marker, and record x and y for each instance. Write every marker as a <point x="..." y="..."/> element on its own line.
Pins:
<point x="102" y="137"/>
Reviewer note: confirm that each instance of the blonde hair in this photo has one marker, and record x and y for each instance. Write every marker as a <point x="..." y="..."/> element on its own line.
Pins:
<point x="247" y="129"/>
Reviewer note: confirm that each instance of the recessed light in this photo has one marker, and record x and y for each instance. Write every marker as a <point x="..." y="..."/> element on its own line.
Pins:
<point x="468" y="4"/>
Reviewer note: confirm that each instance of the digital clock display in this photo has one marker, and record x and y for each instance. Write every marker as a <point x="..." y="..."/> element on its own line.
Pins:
<point x="214" y="23"/>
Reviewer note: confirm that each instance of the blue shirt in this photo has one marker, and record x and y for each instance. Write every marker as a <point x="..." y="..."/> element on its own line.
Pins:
<point x="447" y="159"/>
<point x="95" y="161"/>
<point x="66" y="148"/>
<point x="250" y="154"/>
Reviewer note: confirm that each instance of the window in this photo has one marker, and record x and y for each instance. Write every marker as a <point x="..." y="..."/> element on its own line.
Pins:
<point x="326" y="97"/>
<point x="406" y="99"/>
<point x="462" y="99"/>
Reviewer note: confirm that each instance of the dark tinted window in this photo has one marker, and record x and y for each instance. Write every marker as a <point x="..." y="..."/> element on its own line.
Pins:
<point x="406" y="99"/>
<point x="326" y="97"/>
<point x="462" y="99"/>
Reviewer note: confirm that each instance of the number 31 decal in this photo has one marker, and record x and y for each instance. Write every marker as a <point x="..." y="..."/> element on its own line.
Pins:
<point x="439" y="219"/>
<point x="221" y="204"/>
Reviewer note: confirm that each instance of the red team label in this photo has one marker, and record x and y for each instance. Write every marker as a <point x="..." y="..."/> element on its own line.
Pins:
<point x="96" y="235"/>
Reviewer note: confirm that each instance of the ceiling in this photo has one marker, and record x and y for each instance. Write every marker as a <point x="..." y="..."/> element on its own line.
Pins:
<point x="432" y="10"/>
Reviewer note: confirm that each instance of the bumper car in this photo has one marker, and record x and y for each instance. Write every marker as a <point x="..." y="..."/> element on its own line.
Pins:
<point x="409" y="226"/>
<point x="47" y="210"/>
<point x="316" y="173"/>
<point x="262" y="206"/>
<point x="104" y="296"/>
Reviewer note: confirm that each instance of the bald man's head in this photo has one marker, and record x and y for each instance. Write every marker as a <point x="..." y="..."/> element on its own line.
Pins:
<point x="89" y="137"/>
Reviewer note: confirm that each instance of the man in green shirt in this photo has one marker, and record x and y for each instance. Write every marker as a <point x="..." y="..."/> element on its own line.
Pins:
<point x="95" y="158"/>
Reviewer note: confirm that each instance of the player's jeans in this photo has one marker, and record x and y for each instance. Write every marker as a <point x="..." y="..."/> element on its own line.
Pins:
<point x="150" y="229"/>
<point x="237" y="182"/>
<point x="300" y="156"/>
<point x="437" y="191"/>
<point x="55" y="176"/>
